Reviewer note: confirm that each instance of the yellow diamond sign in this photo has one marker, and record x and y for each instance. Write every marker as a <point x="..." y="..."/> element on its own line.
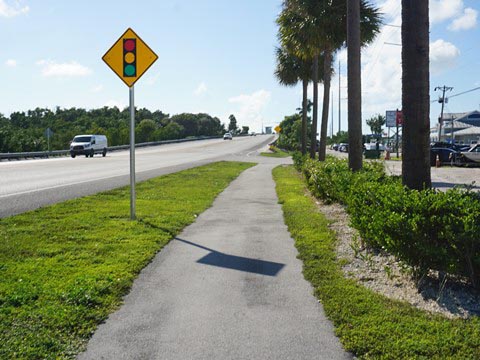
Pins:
<point x="129" y="57"/>
<point x="278" y="128"/>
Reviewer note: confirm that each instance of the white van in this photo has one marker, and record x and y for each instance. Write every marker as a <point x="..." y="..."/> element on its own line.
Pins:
<point x="88" y="145"/>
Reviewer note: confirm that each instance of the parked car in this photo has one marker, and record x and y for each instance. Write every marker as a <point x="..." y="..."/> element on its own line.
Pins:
<point x="456" y="147"/>
<point x="334" y="147"/>
<point x="470" y="156"/>
<point x="445" y="155"/>
<point x="88" y="145"/>
<point x="373" y="146"/>
<point x="227" y="136"/>
<point x="343" y="147"/>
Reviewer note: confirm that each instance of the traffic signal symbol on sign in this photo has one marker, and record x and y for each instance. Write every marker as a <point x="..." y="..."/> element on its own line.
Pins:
<point x="129" y="57"/>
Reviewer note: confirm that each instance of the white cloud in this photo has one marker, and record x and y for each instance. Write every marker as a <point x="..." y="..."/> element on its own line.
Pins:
<point x="12" y="10"/>
<point x="201" y="89"/>
<point x="251" y="107"/>
<point x="153" y="79"/>
<point x="467" y="21"/>
<point x="441" y="10"/>
<point x="443" y="55"/>
<point x="11" y="63"/>
<point x="115" y="103"/>
<point x="51" y="68"/>
<point x="97" y="89"/>
<point x="381" y="67"/>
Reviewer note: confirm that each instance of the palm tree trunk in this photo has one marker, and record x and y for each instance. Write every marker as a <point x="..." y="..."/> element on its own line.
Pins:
<point x="355" y="148"/>
<point x="327" y="75"/>
<point x="415" y="95"/>
<point x="313" y="145"/>
<point x="304" y="117"/>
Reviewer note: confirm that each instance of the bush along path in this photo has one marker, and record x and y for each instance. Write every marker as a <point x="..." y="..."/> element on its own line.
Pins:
<point x="428" y="230"/>
<point x="369" y="325"/>
<point x="65" y="267"/>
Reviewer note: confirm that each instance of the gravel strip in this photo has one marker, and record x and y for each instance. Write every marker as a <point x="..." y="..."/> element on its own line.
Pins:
<point x="383" y="274"/>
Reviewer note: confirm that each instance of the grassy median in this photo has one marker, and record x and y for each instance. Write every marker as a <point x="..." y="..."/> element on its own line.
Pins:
<point x="275" y="153"/>
<point x="65" y="267"/>
<point x="369" y="325"/>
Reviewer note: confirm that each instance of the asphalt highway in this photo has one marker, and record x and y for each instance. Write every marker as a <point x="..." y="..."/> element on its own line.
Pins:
<point x="30" y="184"/>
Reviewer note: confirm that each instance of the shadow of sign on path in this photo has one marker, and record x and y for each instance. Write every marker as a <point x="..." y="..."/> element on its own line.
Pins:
<point x="219" y="259"/>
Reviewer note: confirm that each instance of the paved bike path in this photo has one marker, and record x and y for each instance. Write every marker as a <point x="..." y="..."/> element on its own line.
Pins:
<point x="228" y="287"/>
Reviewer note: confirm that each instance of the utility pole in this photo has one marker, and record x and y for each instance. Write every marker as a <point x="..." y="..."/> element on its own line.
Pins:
<point x="339" y="98"/>
<point x="442" y="101"/>
<point x="331" y="125"/>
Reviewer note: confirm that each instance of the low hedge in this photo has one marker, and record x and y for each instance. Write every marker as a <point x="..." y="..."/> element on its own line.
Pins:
<point x="429" y="229"/>
<point x="368" y="324"/>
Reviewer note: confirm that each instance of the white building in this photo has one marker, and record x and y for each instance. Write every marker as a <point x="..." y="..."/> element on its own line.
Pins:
<point x="465" y="128"/>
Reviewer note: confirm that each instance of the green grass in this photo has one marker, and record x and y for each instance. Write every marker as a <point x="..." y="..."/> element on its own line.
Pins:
<point x="65" y="267"/>
<point x="369" y="325"/>
<point x="275" y="153"/>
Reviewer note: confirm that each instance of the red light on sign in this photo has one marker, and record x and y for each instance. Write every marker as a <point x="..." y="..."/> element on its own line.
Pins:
<point x="129" y="44"/>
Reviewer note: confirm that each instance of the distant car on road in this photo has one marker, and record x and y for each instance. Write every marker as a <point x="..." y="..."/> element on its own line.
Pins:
<point x="227" y="136"/>
<point x="88" y="145"/>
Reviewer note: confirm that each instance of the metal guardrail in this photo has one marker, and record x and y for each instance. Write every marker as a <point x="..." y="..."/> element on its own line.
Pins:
<point x="47" y="154"/>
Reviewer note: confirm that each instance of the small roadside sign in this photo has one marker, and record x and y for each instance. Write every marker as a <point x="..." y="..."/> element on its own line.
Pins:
<point x="391" y="118"/>
<point x="129" y="57"/>
<point x="278" y="129"/>
<point x="399" y="118"/>
<point x="48" y="133"/>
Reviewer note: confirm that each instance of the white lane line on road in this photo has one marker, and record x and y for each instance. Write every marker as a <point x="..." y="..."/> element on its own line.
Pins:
<point x="254" y="151"/>
<point x="58" y="186"/>
<point x="77" y="183"/>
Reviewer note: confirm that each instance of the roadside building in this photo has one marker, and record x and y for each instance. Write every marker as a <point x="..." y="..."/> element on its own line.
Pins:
<point x="463" y="128"/>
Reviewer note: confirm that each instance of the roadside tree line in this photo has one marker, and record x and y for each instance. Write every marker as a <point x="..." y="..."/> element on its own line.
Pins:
<point x="26" y="131"/>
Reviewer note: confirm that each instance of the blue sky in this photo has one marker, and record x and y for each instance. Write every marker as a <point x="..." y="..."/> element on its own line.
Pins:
<point x="215" y="56"/>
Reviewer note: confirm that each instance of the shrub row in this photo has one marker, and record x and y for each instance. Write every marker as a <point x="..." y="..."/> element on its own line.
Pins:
<point x="369" y="325"/>
<point x="429" y="229"/>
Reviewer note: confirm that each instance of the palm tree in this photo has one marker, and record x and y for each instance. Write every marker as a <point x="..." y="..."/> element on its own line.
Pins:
<point x="354" y="86"/>
<point x="289" y="71"/>
<point x="293" y="36"/>
<point x="415" y="95"/>
<point x="309" y="28"/>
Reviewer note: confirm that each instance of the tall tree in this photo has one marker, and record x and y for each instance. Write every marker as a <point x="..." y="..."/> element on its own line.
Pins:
<point x="355" y="153"/>
<point x="289" y="71"/>
<point x="232" y="126"/>
<point x="376" y="122"/>
<point x="415" y="95"/>
<point x="316" y="27"/>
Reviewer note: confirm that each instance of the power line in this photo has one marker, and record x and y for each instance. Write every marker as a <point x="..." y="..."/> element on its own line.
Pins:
<point x="465" y="92"/>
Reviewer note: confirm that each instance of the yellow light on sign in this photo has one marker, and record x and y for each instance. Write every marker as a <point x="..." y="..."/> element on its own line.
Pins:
<point x="130" y="57"/>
